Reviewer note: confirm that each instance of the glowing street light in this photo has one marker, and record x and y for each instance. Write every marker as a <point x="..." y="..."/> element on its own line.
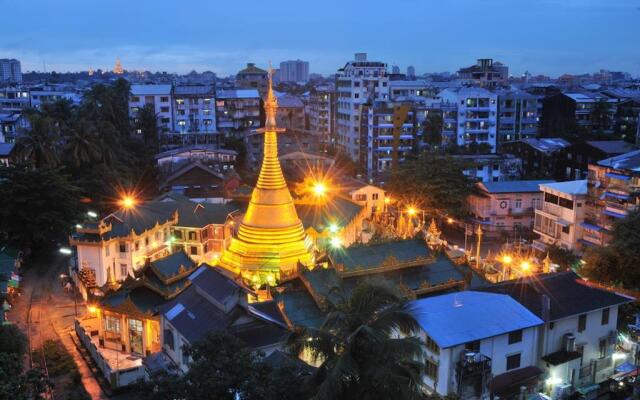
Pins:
<point x="387" y="200"/>
<point x="333" y="228"/>
<point x="336" y="242"/>
<point x="92" y="309"/>
<point x="525" y="266"/>
<point x="92" y="214"/>
<point x="65" y="250"/>
<point x="411" y="211"/>
<point x="450" y="220"/>
<point x="128" y="201"/>
<point x="78" y="226"/>
<point x="319" y="189"/>
<point x="507" y="259"/>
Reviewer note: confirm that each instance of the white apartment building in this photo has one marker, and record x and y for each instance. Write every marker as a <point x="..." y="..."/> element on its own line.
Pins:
<point x="321" y="110"/>
<point x="517" y="115"/>
<point x="237" y="110"/>
<point x="294" y="71"/>
<point x="477" y="115"/>
<point x="157" y="95"/>
<point x="14" y="99"/>
<point x="52" y="93"/>
<point x="577" y="340"/>
<point x="357" y="83"/>
<point x="560" y="214"/>
<point x="472" y="350"/>
<point x="194" y="108"/>
<point x="10" y="70"/>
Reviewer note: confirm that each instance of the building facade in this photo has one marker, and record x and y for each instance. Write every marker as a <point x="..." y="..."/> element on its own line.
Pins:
<point x="506" y="206"/>
<point x="321" y="111"/>
<point x="194" y="109"/>
<point x="237" y="111"/>
<point x="485" y="73"/>
<point x="296" y="71"/>
<point x="157" y="96"/>
<point x="476" y="120"/>
<point x="359" y="82"/>
<point x="252" y="77"/>
<point x="517" y="116"/>
<point x="559" y="217"/>
<point x="613" y="187"/>
<point x="10" y="70"/>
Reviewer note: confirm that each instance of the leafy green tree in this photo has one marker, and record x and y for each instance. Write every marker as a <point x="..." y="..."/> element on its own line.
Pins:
<point x="360" y="352"/>
<point x="148" y="126"/>
<point x="564" y="258"/>
<point x="618" y="262"/>
<point x="432" y="130"/>
<point x="12" y="340"/>
<point x="432" y="181"/>
<point x="82" y="143"/>
<point x="44" y="206"/>
<point x="41" y="144"/>
<point x="222" y="368"/>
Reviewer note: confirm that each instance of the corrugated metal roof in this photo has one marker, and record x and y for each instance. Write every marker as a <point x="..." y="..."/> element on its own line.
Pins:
<point x="463" y="317"/>
<point x="514" y="186"/>
<point x="569" y="187"/>
<point x="142" y="90"/>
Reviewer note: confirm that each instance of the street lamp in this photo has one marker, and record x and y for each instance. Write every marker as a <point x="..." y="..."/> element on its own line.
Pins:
<point x="92" y="214"/>
<point x="319" y="189"/>
<point x="336" y="242"/>
<point x="65" y="250"/>
<point x="411" y="211"/>
<point x="450" y="221"/>
<point x="128" y="201"/>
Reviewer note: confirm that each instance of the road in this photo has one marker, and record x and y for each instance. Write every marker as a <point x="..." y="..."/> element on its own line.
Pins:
<point x="46" y="311"/>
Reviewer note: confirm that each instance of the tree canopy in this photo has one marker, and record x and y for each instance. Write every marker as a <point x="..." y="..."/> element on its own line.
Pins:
<point x="617" y="263"/>
<point x="432" y="181"/>
<point x="366" y="348"/>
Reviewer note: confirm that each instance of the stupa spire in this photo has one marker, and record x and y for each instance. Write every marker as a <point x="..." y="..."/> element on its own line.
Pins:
<point x="271" y="238"/>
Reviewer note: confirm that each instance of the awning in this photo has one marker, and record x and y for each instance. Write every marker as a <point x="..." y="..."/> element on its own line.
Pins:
<point x="509" y="383"/>
<point x="617" y="176"/>
<point x="617" y="196"/>
<point x="588" y="243"/>
<point x="591" y="227"/>
<point x="613" y="214"/>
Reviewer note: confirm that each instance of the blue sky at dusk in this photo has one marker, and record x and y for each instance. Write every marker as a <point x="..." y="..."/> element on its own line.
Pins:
<point x="542" y="36"/>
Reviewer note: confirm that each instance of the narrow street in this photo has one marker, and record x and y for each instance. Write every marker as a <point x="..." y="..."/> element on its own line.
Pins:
<point x="45" y="311"/>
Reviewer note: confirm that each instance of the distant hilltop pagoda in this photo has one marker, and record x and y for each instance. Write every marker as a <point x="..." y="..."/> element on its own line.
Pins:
<point x="271" y="239"/>
<point x="117" y="69"/>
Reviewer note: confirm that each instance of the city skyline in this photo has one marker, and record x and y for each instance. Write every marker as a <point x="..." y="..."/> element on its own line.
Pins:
<point x="542" y="37"/>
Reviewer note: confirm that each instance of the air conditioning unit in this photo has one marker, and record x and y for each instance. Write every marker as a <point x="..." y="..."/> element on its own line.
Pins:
<point x="569" y="342"/>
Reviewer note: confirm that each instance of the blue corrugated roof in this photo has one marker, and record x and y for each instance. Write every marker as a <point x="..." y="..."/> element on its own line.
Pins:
<point x="514" y="186"/>
<point x="463" y="317"/>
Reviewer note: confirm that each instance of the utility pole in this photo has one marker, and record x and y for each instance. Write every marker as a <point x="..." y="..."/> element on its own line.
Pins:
<point x="479" y="234"/>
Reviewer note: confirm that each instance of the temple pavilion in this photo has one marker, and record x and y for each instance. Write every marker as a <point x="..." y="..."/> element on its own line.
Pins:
<point x="271" y="240"/>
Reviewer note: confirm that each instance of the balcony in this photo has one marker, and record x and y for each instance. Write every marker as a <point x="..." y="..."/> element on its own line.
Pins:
<point x="472" y="363"/>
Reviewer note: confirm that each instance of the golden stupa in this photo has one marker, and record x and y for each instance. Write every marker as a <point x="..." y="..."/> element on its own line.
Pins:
<point x="271" y="239"/>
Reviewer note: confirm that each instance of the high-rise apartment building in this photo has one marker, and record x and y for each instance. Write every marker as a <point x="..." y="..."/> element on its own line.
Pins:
<point x="294" y="71"/>
<point x="485" y="73"/>
<point x="321" y="114"/>
<point x="517" y="115"/>
<point x="359" y="82"/>
<point x="194" y="109"/>
<point x="477" y="115"/>
<point x="10" y="70"/>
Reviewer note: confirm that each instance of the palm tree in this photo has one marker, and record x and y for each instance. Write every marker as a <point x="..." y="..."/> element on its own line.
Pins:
<point x="83" y="144"/>
<point x="366" y="348"/>
<point x="41" y="143"/>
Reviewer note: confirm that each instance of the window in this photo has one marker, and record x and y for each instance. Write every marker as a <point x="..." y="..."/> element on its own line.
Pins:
<point x="204" y="233"/>
<point x="134" y="99"/>
<point x="185" y="353"/>
<point x="178" y="234"/>
<point x="137" y="245"/>
<point x="146" y="241"/>
<point x="602" y="348"/>
<point x="168" y="339"/>
<point x="513" y="361"/>
<point x="605" y="317"/>
<point x="111" y="326"/>
<point x="123" y="269"/>
<point x="374" y="196"/>
<point x="551" y="325"/>
<point x="515" y="336"/>
<point x="518" y="203"/>
<point x="582" y="322"/>
<point x="432" y="345"/>
<point x="164" y="99"/>
<point x="106" y="250"/>
<point x="192" y="235"/>
<point x="193" y="250"/>
<point x="566" y="229"/>
<point x="123" y="247"/>
<point x="164" y="109"/>
<point x="431" y="370"/>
